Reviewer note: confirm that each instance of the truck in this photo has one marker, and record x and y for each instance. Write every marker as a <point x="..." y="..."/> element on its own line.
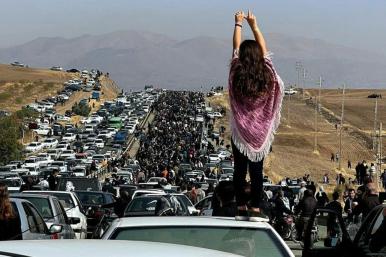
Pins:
<point x="120" y="137"/>
<point x="95" y="95"/>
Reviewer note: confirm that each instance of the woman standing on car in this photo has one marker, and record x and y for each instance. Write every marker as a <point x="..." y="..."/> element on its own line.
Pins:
<point x="255" y="93"/>
<point x="10" y="227"/>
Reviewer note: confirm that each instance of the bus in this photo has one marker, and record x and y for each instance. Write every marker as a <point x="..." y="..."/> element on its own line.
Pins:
<point x="115" y="122"/>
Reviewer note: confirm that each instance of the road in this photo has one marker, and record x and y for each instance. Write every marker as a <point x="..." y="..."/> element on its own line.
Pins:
<point x="295" y="248"/>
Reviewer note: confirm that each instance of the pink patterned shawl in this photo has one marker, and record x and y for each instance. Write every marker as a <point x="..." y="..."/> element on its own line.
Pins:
<point x="255" y="120"/>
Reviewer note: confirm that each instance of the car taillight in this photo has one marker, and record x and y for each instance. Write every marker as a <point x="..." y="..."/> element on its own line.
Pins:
<point x="55" y="236"/>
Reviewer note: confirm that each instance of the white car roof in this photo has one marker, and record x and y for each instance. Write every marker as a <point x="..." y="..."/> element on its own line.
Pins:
<point x="98" y="248"/>
<point x="190" y="221"/>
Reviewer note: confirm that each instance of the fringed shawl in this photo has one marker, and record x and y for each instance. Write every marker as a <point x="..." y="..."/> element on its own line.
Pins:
<point x="254" y="120"/>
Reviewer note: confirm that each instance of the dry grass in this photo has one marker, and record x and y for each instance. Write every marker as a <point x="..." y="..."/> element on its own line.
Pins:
<point x="21" y="86"/>
<point x="293" y="149"/>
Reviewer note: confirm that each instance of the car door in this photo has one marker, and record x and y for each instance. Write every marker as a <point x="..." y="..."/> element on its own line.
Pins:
<point x="37" y="228"/>
<point x="62" y="219"/>
<point x="368" y="230"/>
<point x="326" y="236"/>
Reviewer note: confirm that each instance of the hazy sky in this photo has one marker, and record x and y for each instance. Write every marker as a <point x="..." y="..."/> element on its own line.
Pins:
<point x="356" y="23"/>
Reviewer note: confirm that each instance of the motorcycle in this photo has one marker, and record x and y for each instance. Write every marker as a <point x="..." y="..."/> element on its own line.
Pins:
<point x="314" y="233"/>
<point x="285" y="227"/>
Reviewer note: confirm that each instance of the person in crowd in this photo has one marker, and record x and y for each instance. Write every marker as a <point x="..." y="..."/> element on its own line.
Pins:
<point x="326" y="180"/>
<point x="304" y="209"/>
<point x="368" y="201"/>
<point x="321" y="197"/>
<point x="10" y="226"/>
<point x="311" y="186"/>
<point x="340" y="180"/>
<point x="53" y="180"/>
<point x="350" y="203"/>
<point x="28" y="185"/>
<point x="302" y="190"/>
<point x="120" y="204"/>
<point x="383" y="179"/>
<point x="280" y="210"/>
<point x="44" y="182"/>
<point x="108" y="187"/>
<point x="200" y="192"/>
<point x="255" y="92"/>
<point x="335" y="204"/>
<point x="223" y="200"/>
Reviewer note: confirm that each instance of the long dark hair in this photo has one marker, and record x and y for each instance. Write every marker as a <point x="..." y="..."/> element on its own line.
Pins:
<point x="250" y="75"/>
<point x="6" y="210"/>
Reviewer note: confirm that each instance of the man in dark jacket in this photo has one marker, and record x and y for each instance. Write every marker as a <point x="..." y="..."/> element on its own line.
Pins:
<point x="349" y="204"/>
<point x="280" y="210"/>
<point x="305" y="208"/>
<point x="369" y="200"/>
<point x="53" y="180"/>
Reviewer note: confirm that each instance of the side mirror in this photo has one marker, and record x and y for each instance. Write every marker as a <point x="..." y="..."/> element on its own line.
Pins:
<point x="74" y="220"/>
<point x="55" y="229"/>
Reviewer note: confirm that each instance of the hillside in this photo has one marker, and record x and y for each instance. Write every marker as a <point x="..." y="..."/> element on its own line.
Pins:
<point x="137" y="58"/>
<point x="20" y="86"/>
<point x="293" y="149"/>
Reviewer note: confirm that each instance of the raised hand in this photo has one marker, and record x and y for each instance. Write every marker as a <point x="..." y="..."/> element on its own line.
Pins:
<point x="239" y="17"/>
<point x="251" y="19"/>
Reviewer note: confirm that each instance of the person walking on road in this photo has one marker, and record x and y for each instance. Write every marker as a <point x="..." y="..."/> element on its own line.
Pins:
<point x="256" y="93"/>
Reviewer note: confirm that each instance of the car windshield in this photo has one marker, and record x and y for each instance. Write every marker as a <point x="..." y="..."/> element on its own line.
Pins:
<point x="87" y="198"/>
<point x="142" y="204"/>
<point x="43" y="206"/>
<point x="65" y="200"/>
<point x="241" y="241"/>
<point x="11" y="182"/>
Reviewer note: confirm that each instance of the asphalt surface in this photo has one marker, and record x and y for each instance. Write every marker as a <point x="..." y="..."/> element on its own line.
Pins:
<point x="295" y="248"/>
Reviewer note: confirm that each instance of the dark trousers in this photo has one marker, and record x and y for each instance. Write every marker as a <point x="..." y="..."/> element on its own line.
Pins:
<point x="242" y="163"/>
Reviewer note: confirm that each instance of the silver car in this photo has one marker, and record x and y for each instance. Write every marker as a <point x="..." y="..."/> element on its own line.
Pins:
<point x="33" y="226"/>
<point x="52" y="212"/>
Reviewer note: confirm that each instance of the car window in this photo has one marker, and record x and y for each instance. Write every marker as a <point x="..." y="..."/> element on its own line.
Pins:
<point x="91" y="198"/>
<point x="60" y="212"/>
<point x="65" y="200"/>
<point x="241" y="241"/>
<point x="35" y="223"/>
<point x="43" y="206"/>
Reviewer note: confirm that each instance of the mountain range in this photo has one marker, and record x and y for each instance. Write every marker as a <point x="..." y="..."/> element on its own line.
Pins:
<point x="137" y="58"/>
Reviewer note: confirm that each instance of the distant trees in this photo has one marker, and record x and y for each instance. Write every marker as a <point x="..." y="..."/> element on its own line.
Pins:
<point x="10" y="147"/>
<point x="81" y="109"/>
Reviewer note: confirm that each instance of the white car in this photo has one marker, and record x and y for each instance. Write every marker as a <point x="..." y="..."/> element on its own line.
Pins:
<point x="199" y="118"/>
<point x="217" y="115"/>
<point x="217" y="233"/>
<point x="54" y="153"/>
<point x="34" y="147"/>
<point x="50" y="142"/>
<point x="44" y="131"/>
<point x="98" y="248"/>
<point x="67" y="154"/>
<point x="62" y="167"/>
<point x="73" y="208"/>
<point x="105" y="133"/>
<point x="210" y="115"/>
<point x="44" y="159"/>
<point x="224" y="154"/>
<point x="99" y="143"/>
<point x="32" y="162"/>
<point x="214" y="158"/>
<point x="62" y="118"/>
<point x="69" y="137"/>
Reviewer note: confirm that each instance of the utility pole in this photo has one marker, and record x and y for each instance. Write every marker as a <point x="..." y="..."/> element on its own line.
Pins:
<point x="375" y="123"/>
<point x="304" y="82"/>
<point x="341" y="129"/>
<point x="317" y="109"/>
<point x="380" y="157"/>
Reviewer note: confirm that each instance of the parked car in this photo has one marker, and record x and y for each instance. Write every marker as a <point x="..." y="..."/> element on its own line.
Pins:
<point x="92" y="202"/>
<point x="73" y="208"/>
<point x="52" y="212"/>
<point x="34" y="147"/>
<point x="50" y="142"/>
<point x="32" y="223"/>
<point x="222" y="234"/>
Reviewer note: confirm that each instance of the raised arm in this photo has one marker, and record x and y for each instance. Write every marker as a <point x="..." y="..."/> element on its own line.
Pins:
<point x="256" y="32"/>
<point x="239" y="16"/>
